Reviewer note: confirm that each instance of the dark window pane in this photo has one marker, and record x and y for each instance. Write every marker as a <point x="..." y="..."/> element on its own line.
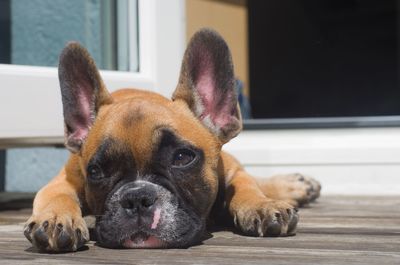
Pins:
<point x="5" y="30"/>
<point x="323" y="58"/>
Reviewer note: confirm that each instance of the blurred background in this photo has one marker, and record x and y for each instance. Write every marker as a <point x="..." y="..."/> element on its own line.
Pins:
<point x="318" y="80"/>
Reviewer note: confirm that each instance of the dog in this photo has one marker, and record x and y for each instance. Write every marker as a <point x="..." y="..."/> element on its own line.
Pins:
<point x="151" y="169"/>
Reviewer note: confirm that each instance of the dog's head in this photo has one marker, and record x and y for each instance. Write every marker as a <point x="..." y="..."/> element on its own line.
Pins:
<point x="149" y="163"/>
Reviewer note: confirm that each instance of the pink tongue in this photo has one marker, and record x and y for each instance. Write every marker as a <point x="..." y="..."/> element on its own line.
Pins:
<point x="156" y="218"/>
<point x="143" y="241"/>
<point x="150" y="242"/>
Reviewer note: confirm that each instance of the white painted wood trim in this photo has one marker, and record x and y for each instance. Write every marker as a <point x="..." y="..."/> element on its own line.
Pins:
<point x="346" y="161"/>
<point x="318" y="146"/>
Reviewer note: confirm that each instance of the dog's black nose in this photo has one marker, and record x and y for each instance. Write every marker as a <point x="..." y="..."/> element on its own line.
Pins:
<point x="139" y="199"/>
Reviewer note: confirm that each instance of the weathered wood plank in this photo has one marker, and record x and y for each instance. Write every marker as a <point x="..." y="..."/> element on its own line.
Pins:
<point x="337" y="230"/>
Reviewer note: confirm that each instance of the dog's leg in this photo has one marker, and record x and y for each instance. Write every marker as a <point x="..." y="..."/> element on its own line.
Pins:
<point x="253" y="212"/>
<point x="56" y="224"/>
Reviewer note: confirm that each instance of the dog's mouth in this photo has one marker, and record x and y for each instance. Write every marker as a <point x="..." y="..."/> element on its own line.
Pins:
<point x="167" y="223"/>
<point x="143" y="240"/>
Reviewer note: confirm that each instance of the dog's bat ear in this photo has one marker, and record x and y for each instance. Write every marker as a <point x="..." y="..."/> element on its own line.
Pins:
<point x="207" y="84"/>
<point x="83" y="93"/>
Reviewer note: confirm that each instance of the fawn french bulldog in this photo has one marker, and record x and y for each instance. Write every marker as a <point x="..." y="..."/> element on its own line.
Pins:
<point x="151" y="168"/>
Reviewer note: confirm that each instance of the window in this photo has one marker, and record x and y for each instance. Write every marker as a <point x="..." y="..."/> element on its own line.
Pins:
<point x="39" y="29"/>
<point x="324" y="63"/>
<point x="148" y="58"/>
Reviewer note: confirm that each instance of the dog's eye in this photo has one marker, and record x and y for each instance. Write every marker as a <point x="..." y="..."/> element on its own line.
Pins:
<point x="94" y="172"/>
<point x="183" y="157"/>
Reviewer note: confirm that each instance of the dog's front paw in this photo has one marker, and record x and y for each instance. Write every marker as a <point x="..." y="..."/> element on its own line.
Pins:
<point x="296" y="189"/>
<point x="310" y="185"/>
<point x="53" y="232"/>
<point x="266" y="217"/>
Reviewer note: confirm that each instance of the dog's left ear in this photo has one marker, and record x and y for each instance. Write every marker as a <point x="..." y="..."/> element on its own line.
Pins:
<point x="207" y="84"/>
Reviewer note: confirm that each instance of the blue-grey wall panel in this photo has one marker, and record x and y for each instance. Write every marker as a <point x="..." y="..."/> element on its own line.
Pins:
<point x="28" y="170"/>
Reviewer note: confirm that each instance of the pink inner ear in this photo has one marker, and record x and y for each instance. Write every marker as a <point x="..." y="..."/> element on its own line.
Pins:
<point x="82" y="120"/>
<point x="225" y="116"/>
<point x="206" y="87"/>
<point x="84" y="102"/>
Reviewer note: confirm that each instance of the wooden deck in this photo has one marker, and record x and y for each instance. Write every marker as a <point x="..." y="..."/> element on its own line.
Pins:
<point x="336" y="230"/>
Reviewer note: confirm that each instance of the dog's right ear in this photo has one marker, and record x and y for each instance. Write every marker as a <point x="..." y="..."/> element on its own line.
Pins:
<point x="207" y="84"/>
<point x="83" y="93"/>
